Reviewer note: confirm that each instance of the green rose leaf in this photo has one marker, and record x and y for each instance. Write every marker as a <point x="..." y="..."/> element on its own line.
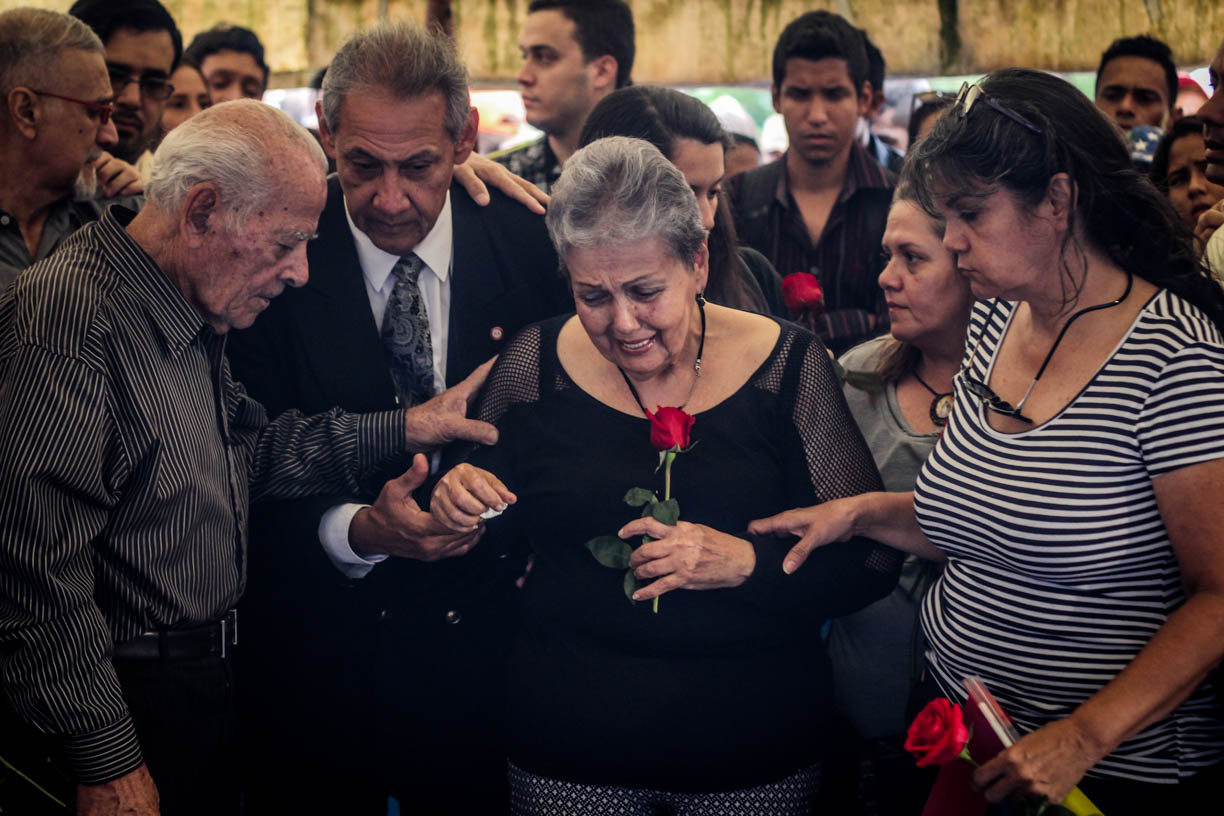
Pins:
<point x="631" y="584"/>
<point x="638" y="496"/>
<point x="610" y="551"/>
<point x="667" y="512"/>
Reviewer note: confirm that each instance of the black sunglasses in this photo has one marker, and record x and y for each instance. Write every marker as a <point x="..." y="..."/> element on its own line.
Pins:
<point x="992" y="401"/>
<point x="983" y="391"/>
<point x="970" y="95"/>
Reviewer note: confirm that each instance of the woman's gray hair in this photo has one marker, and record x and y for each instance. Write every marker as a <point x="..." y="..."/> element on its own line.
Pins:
<point x="32" y="42"/>
<point x="405" y="60"/>
<point x="618" y="191"/>
<point x="233" y="145"/>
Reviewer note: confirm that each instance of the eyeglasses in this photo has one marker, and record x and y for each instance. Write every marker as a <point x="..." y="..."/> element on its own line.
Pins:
<point x="970" y="95"/>
<point x="103" y="109"/>
<point x="992" y="401"/>
<point x="985" y="393"/>
<point x="151" y="87"/>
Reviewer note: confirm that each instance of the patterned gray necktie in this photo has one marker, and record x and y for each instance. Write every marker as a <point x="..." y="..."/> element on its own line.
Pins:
<point x="405" y="333"/>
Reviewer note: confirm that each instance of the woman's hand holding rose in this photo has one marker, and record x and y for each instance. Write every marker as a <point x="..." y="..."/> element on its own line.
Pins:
<point x="1048" y="762"/>
<point x="687" y="556"/>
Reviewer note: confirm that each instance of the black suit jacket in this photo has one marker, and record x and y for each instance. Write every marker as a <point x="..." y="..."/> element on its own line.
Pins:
<point x="308" y="631"/>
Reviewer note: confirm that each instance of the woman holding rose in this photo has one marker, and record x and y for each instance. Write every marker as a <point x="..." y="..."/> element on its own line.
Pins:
<point x="1074" y="492"/>
<point x="715" y="703"/>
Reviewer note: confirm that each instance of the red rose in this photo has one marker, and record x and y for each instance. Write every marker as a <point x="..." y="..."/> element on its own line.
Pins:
<point x="669" y="428"/>
<point x="802" y="292"/>
<point x="938" y="734"/>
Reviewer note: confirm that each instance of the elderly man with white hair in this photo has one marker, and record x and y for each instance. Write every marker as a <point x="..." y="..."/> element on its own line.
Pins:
<point x="128" y="455"/>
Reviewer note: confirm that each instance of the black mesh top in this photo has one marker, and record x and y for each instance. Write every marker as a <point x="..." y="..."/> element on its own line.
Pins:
<point x="721" y="689"/>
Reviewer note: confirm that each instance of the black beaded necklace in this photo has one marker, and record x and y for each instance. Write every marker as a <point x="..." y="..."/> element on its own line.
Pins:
<point x="701" y="301"/>
<point x="941" y="404"/>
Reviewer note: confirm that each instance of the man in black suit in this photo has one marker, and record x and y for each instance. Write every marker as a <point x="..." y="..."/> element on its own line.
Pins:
<point x="365" y="679"/>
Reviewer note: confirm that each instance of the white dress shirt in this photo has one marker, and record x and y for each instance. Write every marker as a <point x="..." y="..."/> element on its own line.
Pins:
<point x="435" y="250"/>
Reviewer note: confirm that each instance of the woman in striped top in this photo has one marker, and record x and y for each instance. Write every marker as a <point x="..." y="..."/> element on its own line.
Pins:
<point x="1074" y="493"/>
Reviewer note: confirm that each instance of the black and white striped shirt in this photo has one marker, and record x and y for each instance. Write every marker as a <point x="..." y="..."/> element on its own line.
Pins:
<point x="1060" y="569"/>
<point x="127" y="453"/>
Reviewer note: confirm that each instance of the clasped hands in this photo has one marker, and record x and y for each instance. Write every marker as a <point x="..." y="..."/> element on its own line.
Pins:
<point x="395" y="524"/>
<point x="684" y="556"/>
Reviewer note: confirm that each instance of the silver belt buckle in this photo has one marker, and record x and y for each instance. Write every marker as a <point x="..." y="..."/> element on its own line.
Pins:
<point x="229" y="631"/>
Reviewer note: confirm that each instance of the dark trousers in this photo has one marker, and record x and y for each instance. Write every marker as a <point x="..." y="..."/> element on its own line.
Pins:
<point x="184" y="716"/>
<point x="440" y="719"/>
<point x="412" y="708"/>
<point x="1194" y="795"/>
<point x="183" y="711"/>
<point x="877" y="777"/>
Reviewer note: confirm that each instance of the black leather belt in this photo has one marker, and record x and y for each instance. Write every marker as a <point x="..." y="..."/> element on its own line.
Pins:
<point x="179" y="644"/>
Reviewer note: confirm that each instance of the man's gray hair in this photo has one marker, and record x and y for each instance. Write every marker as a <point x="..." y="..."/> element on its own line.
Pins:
<point x="233" y="145"/>
<point x="405" y="60"/>
<point x="32" y="42"/>
<point x="617" y="191"/>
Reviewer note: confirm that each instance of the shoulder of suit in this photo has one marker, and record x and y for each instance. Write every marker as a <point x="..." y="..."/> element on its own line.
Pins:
<point x="501" y="213"/>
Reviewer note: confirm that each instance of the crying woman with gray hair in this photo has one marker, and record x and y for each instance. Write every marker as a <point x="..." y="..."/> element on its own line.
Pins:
<point x="705" y="690"/>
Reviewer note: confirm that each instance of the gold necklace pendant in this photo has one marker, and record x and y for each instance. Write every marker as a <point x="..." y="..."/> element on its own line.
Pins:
<point x="941" y="409"/>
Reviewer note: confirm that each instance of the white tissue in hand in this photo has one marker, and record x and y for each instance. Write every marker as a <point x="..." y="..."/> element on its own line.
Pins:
<point x="491" y="513"/>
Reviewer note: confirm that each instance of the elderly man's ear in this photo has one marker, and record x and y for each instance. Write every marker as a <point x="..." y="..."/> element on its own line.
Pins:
<point x="22" y="107"/>
<point x="199" y="210"/>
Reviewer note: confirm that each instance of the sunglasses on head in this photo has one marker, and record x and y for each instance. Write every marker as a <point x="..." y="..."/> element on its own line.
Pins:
<point x="970" y="95"/>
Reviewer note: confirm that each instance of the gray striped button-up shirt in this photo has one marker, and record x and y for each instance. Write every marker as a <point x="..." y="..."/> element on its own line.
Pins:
<point x="127" y="458"/>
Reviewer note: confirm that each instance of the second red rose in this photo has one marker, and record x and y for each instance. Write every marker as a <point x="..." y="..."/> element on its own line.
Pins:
<point x="801" y="292"/>
<point x="938" y="734"/>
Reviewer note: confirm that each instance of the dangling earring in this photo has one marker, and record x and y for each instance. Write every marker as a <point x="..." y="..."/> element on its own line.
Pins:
<point x="701" y="301"/>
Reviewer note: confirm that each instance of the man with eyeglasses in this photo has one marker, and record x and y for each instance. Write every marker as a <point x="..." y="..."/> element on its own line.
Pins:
<point x="54" y="131"/>
<point x="143" y="47"/>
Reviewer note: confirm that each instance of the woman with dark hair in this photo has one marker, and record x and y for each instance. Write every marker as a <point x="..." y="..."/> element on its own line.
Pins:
<point x="1074" y="492"/>
<point x="1179" y="170"/>
<point x="687" y="132"/>
<point x="899" y="392"/>
<point x="189" y="98"/>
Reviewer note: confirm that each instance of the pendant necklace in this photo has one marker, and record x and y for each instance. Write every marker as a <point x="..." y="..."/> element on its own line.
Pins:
<point x="941" y="404"/>
<point x="701" y="301"/>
